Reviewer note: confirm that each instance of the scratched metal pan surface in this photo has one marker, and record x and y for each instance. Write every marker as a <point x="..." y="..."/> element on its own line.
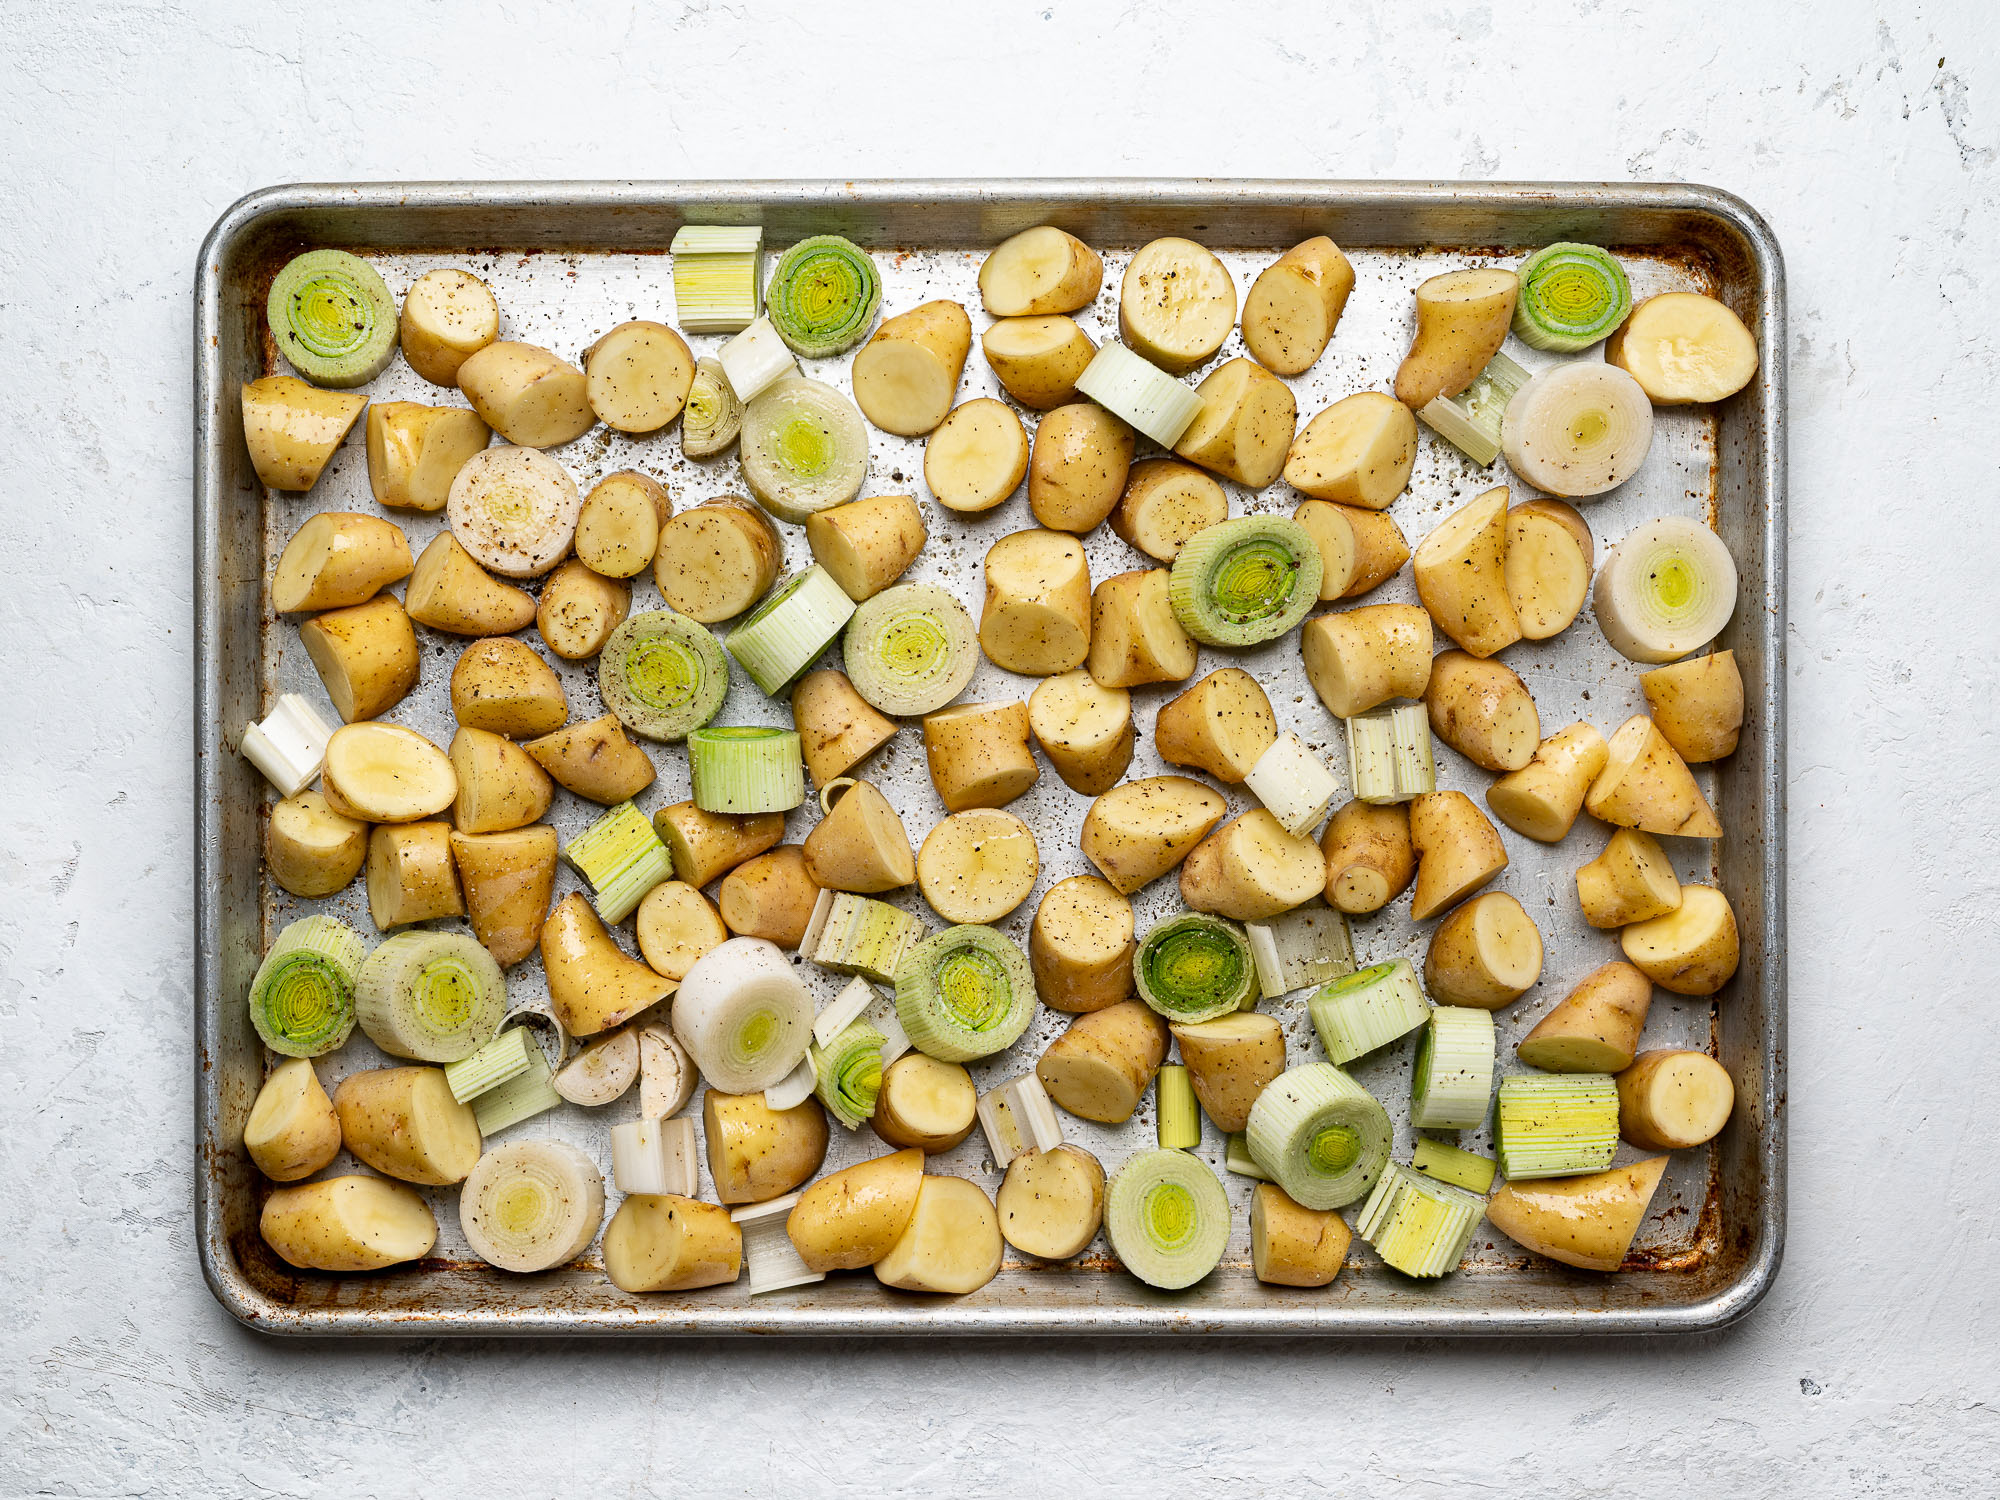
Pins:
<point x="569" y="260"/>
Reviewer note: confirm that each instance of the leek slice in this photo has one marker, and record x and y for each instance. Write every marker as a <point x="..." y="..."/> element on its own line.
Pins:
<point x="861" y="936"/>
<point x="1321" y="1136"/>
<point x="1017" y="1118"/>
<point x="1417" y="1226"/>
<point x="780" y="639"/>
<point x="1665" y="589"/>
<point x="1129" y="386"/>
<point x="302" y="999"/>
<point x="746" y="769"/>
<point x="895" y="1041"/>
<point x="805" y="448"/>
<point x="1176" y="1114"/>
<point x="528" y="1093"/>
<point x="1471" y="420"/>
<point x="770" y="1259"/>
<point x="1453" y="1084"/>
<point x="1572" y="296"/>
<point x="717" y="239"/>
<point x="1195" y="967"/>
<point x="505" y="1057"/>
<point x="332" y="317"/>
<point x="288" y="745"/>
<point x="1245" y="581"/>
<point x="1167" y="1218"/>
<point x="1466" y="1169"/>
<point x="743" y="1015"/>
<point x="1578" y="429"/>
<point x="718" y="273"/>
<point x="1293" y="784"/>
<point x="662" y="675"/>
<point x="755" y="360"/>
<point x="1389" y="754"/>
<point x="823" y="296"/>
<point x="1555" y="1124"/>
<point x="713" y="416"/>
<point x="622" y="858"/>
<point x="655" y="1156"/>
<point x="430" y="996"/>
<point x="532" y="1205"/>
<point x="910" y="650"/>
<point x="1307" y="945"/>
<point x="964" y="994"/>
<point x="1367" y="1009"/>
<point x="849" y="1074"/>
<point x="1237" y="1158"/>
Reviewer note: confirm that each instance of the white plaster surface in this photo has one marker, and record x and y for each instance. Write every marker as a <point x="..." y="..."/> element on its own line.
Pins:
<point x="1866" y="134"/>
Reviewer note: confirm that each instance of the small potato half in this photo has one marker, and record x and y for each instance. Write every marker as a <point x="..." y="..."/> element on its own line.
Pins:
<point x="1229" y="1061"/>
<point x="1138" y="831"/>
<point x="1691" y="950"/>
<point x="1040" y="270"/>
<point x="1461" y="576"/>
<point x="951" y="1244"/>
<point x="1294" y="304"/>
<point x="717" y="559"/>
<point x="338" y="558"/>
<point x="405" y="1123"/>
<point x="1244" y="428"/>
<point x="618" y="529"/>
<point x="1358" y="452"/>
<point x="1462" y="320"/>
<point x="595" y="759"/>
<point x="978" y="754"/>
<point x="1037" y="360"/>
<point x="637" y="377"/>
<point x="411" y="875"/>
<point x="1084" y="729"/>
<point x="501" y="685"/>
<point x="978" y="865"/>
<point x="1052" y="1202"/>
<point x="450" y="591"/>
<point x="1036" y="617"/>
<point x="925" y="1104"/>
<point x="366" y="656"/>
<point x="854" y="1217"/>
<point x="1077" y="471"/>
<point x="1547" y="566"/>
<point x="1166" y="502"/>
<point x="1697" y="705"/>
<point x="293" y="1130"/>
<point x="579" y="609"/>
<point x="508" y="879"/>
<point x="756" y="1153"/>
<point x="977" y="456"/>
<point x="867" y="544"/>
<point x="1542" y="798"/>
<point x="1135" y="637"/>
<point x="1221" y="725"/>
<point x="1486" y="954"/>
<point x="292" y="429"/>
<point x="355" y="1223"/>
<point x="415" y="451"/>
<point x="311" y="850"/>
<point x="1100" y="1068"/>
<point x="1483" y="711"/>
<point x="906" y="376"/>
<point x="1081" y="945"/>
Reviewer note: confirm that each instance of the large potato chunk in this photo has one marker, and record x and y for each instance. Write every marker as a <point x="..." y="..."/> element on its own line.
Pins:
<point x="1220" y="725"/>
<point x="1587" y="1221"/>
<point x="755" y="1152"/>
<point x="1462" y="320"/>
<point x="1085" y="730"/>
<point x="293" y="1130"/>
<point x="338" y="558"/>
<point x="1081" y="945"/>
<point x="502" y="686"/>
<point x="1251" y="869"/>
<point x="1137" y="832"/>
<point x="1358" y="452"/>
<point x="1693" y="949"/>
<point x="366" y="656"/>
<point x="977" y="457"/>
<point x="1483" y="711"/>
<point x="1697" y="704"/>
<point x="1135" y="637"/>
<point x="1229" y="1061"/>
<point x="1176" y="304"/>
<point x="1101" y="1067"/>
<point x="1245" y="425"/>
<point x="292" y="428"/>
<point x="1037" y="360"/>
<point x="347" y="1224"/>
<point x="1036" y="619"/>
<point x="666" y="1243"/>
<point x="1082" y="454"/>
<point x="952" y="1243"/>
<point x="405" y="1123"/>
<point x="855" y="1217"/>
<point x="1457" y="851"/>
<point x="1040" y="270"/>
<point x="906" y="375"/>
<point x="1461" y="576"/>
<point x="1358" y="659"/>
<point x="1293" y="305"/>
<point x="1052" y="1202"/>
<point x="1646" y="785"/>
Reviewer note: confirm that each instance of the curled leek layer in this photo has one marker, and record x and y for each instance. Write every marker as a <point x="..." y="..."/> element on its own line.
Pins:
<point x="431" y="996"/>
<point x="713" y="416"/>
<point x="302" y="1000"/>
<point x="805" y="448"/>
<point x="662" y="675"/>
<point x="1167" y="1218"/>
<point x="964" y="994"/>
<point x="1242" y="582"/>
<point x="1571" y="296"/>
<point x="910" y="649"/>
<point x="1195" y="967"/>
<point x="1323" y="1137"/>
<point x="333" y="318"/>
<point x="823" y="296"/>
<point x="849" y="1074"/>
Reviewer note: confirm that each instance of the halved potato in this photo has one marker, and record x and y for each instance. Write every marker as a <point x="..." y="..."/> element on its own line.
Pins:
<point x="666" y="1243"/>
<point x="906" y="375"/>
<point x="1671" y="1100"/>
<point x="717" y="559"/>
<point x="1596" y="1027"/>
<point x="1220" y="725"/>
<point x="1051" y="1202"/>
<point x="1462" y="320"/>
<point x="952" y="1242"/>
<point x="1631" y="881"/>
<point x="292" y="429"/>
<point x="1457" y="850"/>
<point x="448" y="315"/>
<point x="637" y="377"/>
<point x="1697" y="704"/>
<point x="1542" y="798"/>
<point x="770" y="896"/>
<point x="1036" y="618"/>
<point x="977" y="457"/>
<point x="594" y="984"/>
<point x="310" y="849"/>
<point x="1100" y="1068"/>
<point x="1166" y="502"/>
<point x="1294" y="304"/>
<point x="705" y="844"/>
<point x="860" y="845"/>
<point x="1487" y="954"/>
<point x="415" y="451"/>
<point x="501" y="685"/>
<point x="1547" y="566"/>
<point x="293" y="1130"/>
<point x="411" y="875"/>
<point x="1483" y="711"/>
<point x="1135" y="637"/>
<point x="1588" y="1221"/>
<point x="384" y="773"/>
<point x="1229" y="1061"/>
<point x="527" y="395"/>
<point x="977" y="866"/>
<point x="1244" y="428"/>
<point x="579" y="610"/>
<point x="338" y="558"/>
<point x="1251" y="868"/>
<point x="675" y="924"/>
<point x="838" y="729"/>
<point x="1082" y="455"/>
<point x="1358" y="659"/>
<point x="1040" y="270"/>
<point x="1461" y="576"/>
<point x="867" y="544"/>
<point x="1085" y="730"/>
<point x="449" y="591"/>
<point x="756" y="1153"/>
<point x="978" y="754"/>
<point x="1137" y="832"/>
<point x="1081" y="945"/>
<point x="925" y="1104"/>
<point x="1176" y="304"/>
<point x="1037" y="360"/>
<point x="1691" y="950"/>
<point x="1359" y="452"/>
<point x="594" y="759"/>
<point x="508" y="879"/>
<point x="405" y="1123"/>
<point x="366" y="656"/>
<point x="618" y="529"/>
<point x="354" y="1223"/>
<point x="1646" y="785"/>
<point x="500" y="786"/>
<point x="854" y="1217"/>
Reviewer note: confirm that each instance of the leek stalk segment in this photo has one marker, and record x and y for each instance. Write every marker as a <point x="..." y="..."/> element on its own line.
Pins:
<point x="331" y="315"/>
<point x="1418" y="1226"/>
<point x="505" y="1057"/>
<point x="777" y="643"/>
<point x="1245" y="581"/>
<point x="430" y="996"/>
<point x="823" y="296"/>
<point x="654" y="1156"/>
<point x="769" y="1257"/>
<point x="1389" y="754"/>
<point x="1305" y="946"/>
<point x="1460" y="1168"/>
<point x="1367" y="1009"/>
<point x="1572" y="296"/>
<point x="1293" y="783"/>
<point x="1555" y="1124"/>
<point x="528" y="1093"/>
<point x="746" y="769"/>
<point x="288" y="745"/>
<point x="531" y="1205"/>
<point x="1453" y="1083"/>
<point x="964" y="994"/>
<point x="1322" y="1137"/>
<point x="622" y="858"/>
<point x="1129" y="386"/>
<point x="744" y="1016"/>
<point x="755" y="360"/>
<point x="718" y="275"/>
<point x="1471" y="420"/>
<point x="713" y="415"/>
<point x="1237" y="1158"/>
<point x="1018" y="1118"/>
<point x="1178" y="1116"/>
<point x="302" y="999"/>
<point x="662" y="674"/>
<point x="860" y="936"/>
<point x="1195" y="967"/>
<point x="910" y="649"/>
<point x="1166" y="1217"/>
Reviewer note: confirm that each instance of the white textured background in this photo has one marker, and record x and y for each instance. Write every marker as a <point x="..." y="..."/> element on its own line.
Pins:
<point x="1869" y="142"/>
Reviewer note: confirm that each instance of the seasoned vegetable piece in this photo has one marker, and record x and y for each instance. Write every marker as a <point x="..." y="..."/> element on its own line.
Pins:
<point x="1631" y="881"/>
<point x="1542" y="798"/>
<point x="1242" y="582"/>
<point x="1457" y="851"/>
<point x="1041" y="270"/>
<point x="1646" y="785"/>
<point x="527" y="394"/>
<point x="618" y="529"/>
<point x="1176" y="304"/>
<point x="292" y="429"/>
<point x="666" y="1243"/>
<point x="823" y="296"/>
<point x="852" y="1218"/>
<point x="1369" y="859"/>
<point x="411" y="876"/>
<point x="508" y="879"/>
<point x="1136" y="636"/>
<point x="416" y="451"/>
<point x="804" y="448"/>
<point x="637" y="377"/>
<point x="1684" y="348"/>
<point x="1294" y="304"/>
<point x="1291" y="1245"/>
<point x="1166" y="502"/>
<point x="1359" y="452"/>
<point x="448" y="316"/>
<point x="1697" y="705"/>
<point x="1547" y="566"/>
<point x="338" y="558"/>
<point x="925" y="1103"/>
<point x="977" y="457"/>
<point x="1691" y="950"/>
<point x="1229" y="1060"/>
<point x="1100" y="1068"/>
<point x="1595" y="1029"/>
<point x="293" y="1130"/>
<point x="1081" y="946"/>
<point x="595" y="760"/>
<point x="1462" y="320"/>
<point x="1487" y="954"/>
<point x="952" y="1244"/>
<point x="347" y="1224"/>
<point x="757" y="1153"/>
<point x="1483" y="711"/>
<point x="1577" y="429"/>
<point x="717" y="559"/>
<point x="1051" y="1202"/>
<point x="867" y="544"/>
<point x="1038" y="360"/>
<point x="979" y="755"/>
<point x="501" y="685"/>
<point x="1461" y="576"/>
<point x="366" y="656"/>
<point x="1588" y="1221"/>
<point x="311" y="850"/>
<point x="405" y="1123"/>
<point x="1221" y="725"/>
<point x="837" y="728"/>
<point x="907" y="374"/>
<point x="1137" y="832"/>
<point x="770" y="897"/>
<point x="978" y="865"/>
<point x="384" y="773"/>
<point x="1673" y="1101"/>
<point x="1251" y="868"/>
<point x="1036" y="618"/>
<point x="332" y="317"/>
<point x="861" y="844"/>
<point x="449" y="591"/>
<point x="1360" y="658"/>
<point x="593" y="984"/>
<point x="1245" y="426"/>
<point x="514" y="510"/>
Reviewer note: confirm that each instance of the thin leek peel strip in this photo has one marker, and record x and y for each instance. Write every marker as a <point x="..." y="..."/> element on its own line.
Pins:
<point x="1166" y="1217"/>
<point x="1176" y="1113"/>
<point x="528" y="1093"/>
<point x="332" y="317"/>
<point x="1237" y="1159"/>
<point x="1321" y="1136"/>
<point x="849" y="1074"/>
<point x="1470" y="421"/>
<point x="655" y="1156"/>
<point x="1572" y="296"/>
<point x="302" y="1000"/>
<point x="1453" y="1082"/>
<point x="910" y="650"/>
<point x="1389" y="754"/>
<point x="622" y="858"/>
<point x="1555" y="1124"/>
<point x="823" y="296"/>
<point x="713" y="416"/>
<point x="1195" y="967"/>
<point x="1245" y="581"/>
<point x="1418" y="1226"/>
<point x="777" y="643"/>
<point x="662" y="674"/>
<point x="964" y="994"/>
<point x="1367" y="1009"/>
<point x="1305" y="946"/>
<point x="288" y="745"/>
<point x="746" y="769"/>
<point x="1460" y="1168"/>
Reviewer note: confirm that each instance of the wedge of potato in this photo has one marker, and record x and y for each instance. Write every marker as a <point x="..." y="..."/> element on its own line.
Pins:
<point x="311" y="850"/>
<point x="1462" y="320"/>
<point x="951" y="1245"/>
<point x="1542" y="798"/>
<point x="717" y="559"/>
<point x="1140" y="830"/>
<point x="1461" y="576"/>
<point x="500" y="786"/>
<point x="1596" y="1027"/>
<point x="1244" y="428"/>
<point x="976" y="457"/>
<point x="1457" y="851"/>
<point x="1135" y="637"/>
<point x="1251" y="868"/>
<point x="1052" y="1202"/>
<point x="1100" y="1068"/>
<point x="1166" y="502"/>
<point x="867" y="544"/>
<point x="1358" y="452"/>
<point x="1483" y="711"/>
<point x="366" y="656"/>
<point x="1547" y="566"/>
<point x="1229" y="1060"/>
<point x="579" y="609"/>
<point x="508" y="879"/>
<point x="906" y="376"/>
<point x="411" y="874"/>
<point x="925" y="1104"/>
<point x="1646" y="785"/>
<point x="1294" y="305"/>
<point x="1369" y="858"/>
<point x="1588" y="1221"/>
<point x="594" y="759"/>
<point x="618" y="529"/>
<point x="1221" y="725"/>
<point x="1697" y="705"/>
<point x="1691" y="950"/>
<point x="1036" y="617"/>
<point x="1085" y="730"/>
<point x="979" y="755"/>
<point x="501" y="685"/>
<point x="293" y="429"/>
<point x="854" y="1217"/>
<point x="837" y="728"/>
<point x="384" y="773"/>
<point x="1359" y="659"/>
<point x="449" y="591"/>
<point x="977" y="866"/>
<point x="1040" y="270"/>
<point x="1037" y="360"/>
<point x="338" y="558"/>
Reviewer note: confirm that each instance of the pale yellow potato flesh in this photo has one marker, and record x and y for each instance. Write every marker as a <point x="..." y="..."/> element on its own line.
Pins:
<point x="1245" y="426"/>
<point x="838" y="729"/>
<point x="311" y="850"/>
<point x="1083" y="729"/>
<point x="450" y="591"/>
<point x="384" y="773"/>
<point x="1081" y="945"/>
<point x="1631" y="881"/>
<point x="366" y="656"/>
<point x="1292" y="1245"/>
<point x="1691" y="950"/>
<point x="1036" y="615"/>
<point x="1294" y="305"/>
<point x="1595" y="1028"/>
<point x="1040" y="270"/>
<point x="977" y="457"/>
<point x="637" y="377"/>
<point x="1483" y="710"/>
<point x="1166" y="502"/>
<point x="667" y="1243"/>
<point x="448" y="315"/>
<point x="1332" y="529"/>
<point x="1037" y="360"/>
<point x="867" y="544"/>
<point x="1697" y="705"/>
<point x="1646" y="785"/>
<point x="860" y="845"/>
<point x="1221" y="725"/>
<point x="500" y="785"/>
<point x="951" y="1244"/>
<point x="756" y="1153"/>
<point x="411" y="874"/>
<point x="1684" y="348"/>
<point x="717" y="559"/>
<point x="1541" y="800"/>
<point x="1486" y="954"/>
<point x="579" y="609"/>
<point x="1458" y="851"/>
<point x="527" y="394"/>
<point x="292" y="428"/>
<point x="338" y="558"/>
<point x="1100" y="1068"/>
<point x="1547" y="566"/>
<point x="675" y="924"/>
<point x="1462" y="320"/>
<point x="594" y="984"/>
<point x="1358" y="659"/>
<point x="925" y="1104"/>
<point x="1672" y="1100"/>
<point x="705" y="844"/>
<point x="618" y="529"/>
<point x="1052" y="1202"/>
<point x="508" y="879"/>
<point x="906" y="376"/>
<point x="770" y="896"/>
<point x="1588" y="1221"/>
<point x="1359" y="452"/>
<point x="1251" y="868"/>
<point x="1135" y="637"/>
<point x="1138" y="831"/>
<point x="1461" y="576"/>
<point x="1229" y="1061"/>
<point x="977" y="866"/>
<point x="293" y="1129"/>
<point x="1176" y="304"/>
<point x="355" y="1223"/>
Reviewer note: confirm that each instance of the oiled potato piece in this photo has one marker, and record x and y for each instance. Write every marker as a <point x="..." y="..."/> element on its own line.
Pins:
<point x="449" y="591"/>
<point x="867" y="544"/>
<point x="384" y="773"/>
<point x="1359" y="659"/>
<point x="1135" y="637"/>
<point x="1542" y="798"/>
<point x="1486" y="954"/>
<point x="502" y="686"/>
<point x="292" y="429"/>
<point x="579" y="610"/>
<point x="405" y="1123"/>
<point x="1077" y="471"/>
<point x="667" y="1243"/>
<point x="338" y="558"/>
<point x="1051" y="1202"/>
<point x="1137" y="832"/>
<point x="1462" y="320"/>
<point x="1547" y="566"/>
<point x="448" y="315"/>
<point x="526" y="394"/>
<point x="1369" y="859"/>
<point x="1229" y="1061"/>
<point x="1457" y="851"/>
<point x="770" y="897"/>
<point x="1691" y="950"/>
<point x="1291" y="1245"/>
<point x="1251" y="868"/>
<point x="1100" y="1068"/>
<point x="977" y="457"/>
<point x="1358" y="549"/>
<point x="508" y="879"/>
<point x="675" y="924"/>
<point x="1294" y="304"/>
<point x="978" y="754"/>
<point x="1697" y="705"/>
<point x="347" y="1224"/>
<point x="757" y="1153"/>
<point x="594" y="759"/>
<point x="1596" y="1027"/>
<point x="1220" y="725"/>
<point x="411" y="874"/>
<point x="925" y="1104"/>
<point x="1684" y="348"/>
<point x="311" y="850"/>
<point x="1036" y="618"/>
<point x="1588" y="1221"/>
<point x="637" y="377"/>
<point x="860" y="845"/>
<point x="978" y="865"/>
<point x="837" y="727"/>
<point x="1483" y="711"/>
<point x="1166" y="502"/>
<point x="1037" y="360"/>
<point x="1085" y="730"/>
<point x="1631" y="881"/>
<point x="1176" y="304"/>
<point x="1672" y="1101"/>
<point x="366" y="656"/>
<point x="854" y="1217"/>
<point x="1040" y="270"/>
<point x="705" y="844"/>
<point x="618" y="529"/>
<point x="717" y="559"/>
<point x="906" y="375"/>
<point x="1081" y="945"/>
<point x="594" y="984"/>
<point x="952" y="1242"/>
<point x="1358" y="452"/>
<point x="1244" y="428"/>
<point x="1646" y="785"/>
<point x="415" y="451"/>
<point x="293" y="1130"/>
<point x="1461" y="576"/>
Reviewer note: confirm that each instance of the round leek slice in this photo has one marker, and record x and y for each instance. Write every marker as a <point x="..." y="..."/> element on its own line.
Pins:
<point x="1322" y="1136"/>
<point x="746" y="769"/>
<point x="743" y="1015"/>
<point x="1166" y="1217"/>
<point x="1453" y="1084"/>
<point x="786" y="633"/>
<point x="531" y="1205"/>
<point x="431" y="996"/>
<point x="1242" y="582"/>
<point x="333" y="318"/>
<point x="805" y="448"/>
<point x="911" y="649"/>
<point x="823" y="296"/>
<point x="302" y="999"/>
<point x="964" y="994"/>
<point x="1195" y="967"/>
<point x="713" y="416"/>
<point x="662" y="675"/>
<point x="1577" y="429"/>
<point x="849" y="1074"/>
<point x="1667" y="589"/>
<point x="1571" y="297"/>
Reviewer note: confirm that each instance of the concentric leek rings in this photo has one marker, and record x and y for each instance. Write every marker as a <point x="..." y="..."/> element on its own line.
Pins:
<point x="824" y="295"/>
<point x="1571" y="297"/>
<point x="333" y="318"/>
<point x="1195" y="967"/>
<point x="662" y="675"/>
<point x="1246" y="581"/>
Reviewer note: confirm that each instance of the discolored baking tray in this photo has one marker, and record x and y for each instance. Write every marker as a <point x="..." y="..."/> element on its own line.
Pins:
<point x="567" y="261"/>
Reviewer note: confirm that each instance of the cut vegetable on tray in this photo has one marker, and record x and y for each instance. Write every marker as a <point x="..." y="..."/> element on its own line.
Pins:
<point x="661" y="648"/>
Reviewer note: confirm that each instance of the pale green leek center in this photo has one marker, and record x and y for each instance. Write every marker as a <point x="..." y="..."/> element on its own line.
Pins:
<point x="756" y="1033"/>
<point x="521" y="1206"/>
<point x="1674" y="583"/>
<point x="330" y="317"/>
<point x="974" y="988"/>
<point x="1334" y="1150"/>
<point x="911" y="645"/>
<point x="304" y="1001"/>
<point x="1169" y="1214"/>
<point x="1588" y="427"/>
<point x="446" y="995"/>
<point x="805" y="447"/>
<point x="1254" y="581"/>
<point x="662" y="673"/>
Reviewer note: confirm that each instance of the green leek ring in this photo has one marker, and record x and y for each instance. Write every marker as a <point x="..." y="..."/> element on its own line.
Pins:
<point x="824" y="295"/>
<point x="1195" y="968"/>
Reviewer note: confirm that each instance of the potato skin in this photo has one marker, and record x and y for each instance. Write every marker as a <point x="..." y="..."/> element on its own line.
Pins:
<point x="1245" y="427"/>
<point x="1251" y="868"/>
<point x="1134" y="636"/>
<point x="1099" y="1069"/>
<point x="1220" y="725"/>
<point x="594" y="984"/>
<point x="1542" y="798"/>
<point x="501" y="685"/>
<point x="579" y="609"/>
<point x="1643" y="1112"/>
<point x="1359" y="659"/>
<point x="909" y="1072"/>
<point x="1081" y="945"/>
<point x="595" y="759"/>
<point x="1294" y="305"/>
<point x="1082" y="455"/>
<point x="1165" y="502"/>
<point x="867" y="544"/>
<point x="1229" y="1061"/>
<point x="1369" y="860"/>
<point x="1596" y="1027"/>
<point x="854" y="1217"/>
<point x="1697" y="705"/>
<point x="952" y="1243"/>
<point x="311" y="850"/>
<point x="1037" y="359"/>
<point x="1457" y="851"/>
<point x="293" y="1129"/>
<point x="366" y="655"/>
<point x="1461" y="576"/>
<point x="450" y="591"/>
<point x="508" y="879"/>
<point x="500" y="785"/>
<point x="356" y="1223"/>
<point x="756" y="1153"/>
<point x="405" y="1123"/>
<point x="1588" y="1221"/>
<point x="770" y="896"/>
<point x="1482" y="710"/>
<point x="1692" y="950"/>
<point x="1292" y="1245"/>
<point x="1357" y="452"/>
<point x="357" y="555"/>
<point x="978" y="754"/>
<point x="1085" y="730"/>
<point x="1138" y="831"/>
<point x="666" y="1243"/>
<point x="1036" y="615"/>
<point x="292" y="428"/>
<point x="1646" y="785"/>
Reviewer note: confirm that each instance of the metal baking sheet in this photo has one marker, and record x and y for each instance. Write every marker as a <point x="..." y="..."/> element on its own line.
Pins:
<point x="568" y="261"/>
